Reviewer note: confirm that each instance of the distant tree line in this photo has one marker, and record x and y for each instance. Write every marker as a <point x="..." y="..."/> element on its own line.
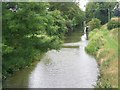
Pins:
<point x="101" y="10"/>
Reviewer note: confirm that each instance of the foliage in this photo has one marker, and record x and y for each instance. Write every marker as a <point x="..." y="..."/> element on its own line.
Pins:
<point x="29" y="30"/>
<point x="95" y="42"/>
<point x="100" y="10"/>
<point x="71" y="12"/>
<point x="113" y="24"/>
<point x="94" y="23"/>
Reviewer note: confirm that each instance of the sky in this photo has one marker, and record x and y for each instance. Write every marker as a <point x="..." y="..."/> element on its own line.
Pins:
<point x="82" y="4"/>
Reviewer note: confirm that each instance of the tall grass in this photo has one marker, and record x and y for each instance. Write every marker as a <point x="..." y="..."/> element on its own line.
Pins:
<point x="104" y="46"/>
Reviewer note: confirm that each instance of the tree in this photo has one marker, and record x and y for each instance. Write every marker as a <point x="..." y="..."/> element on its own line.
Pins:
<point x="29" y="29"/>
<point x="71" y="12"/>
<point x="100" y="10"/>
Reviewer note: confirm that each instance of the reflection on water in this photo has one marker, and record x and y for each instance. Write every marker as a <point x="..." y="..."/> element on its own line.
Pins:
<point x="66" y="68"/>
<point x="73" y="37"/>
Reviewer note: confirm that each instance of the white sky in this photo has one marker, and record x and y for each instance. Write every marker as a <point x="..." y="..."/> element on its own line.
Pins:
<point x="82" y="4"/>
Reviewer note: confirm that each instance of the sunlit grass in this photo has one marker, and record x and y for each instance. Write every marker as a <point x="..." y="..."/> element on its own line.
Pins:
<point x="104" y="46"/>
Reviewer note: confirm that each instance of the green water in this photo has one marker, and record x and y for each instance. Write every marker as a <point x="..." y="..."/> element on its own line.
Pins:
<point x="19" y="78"/>
<point x="73" y="37"/>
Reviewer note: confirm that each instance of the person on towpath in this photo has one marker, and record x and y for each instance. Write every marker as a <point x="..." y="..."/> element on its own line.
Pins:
<point x="87" y="32"/>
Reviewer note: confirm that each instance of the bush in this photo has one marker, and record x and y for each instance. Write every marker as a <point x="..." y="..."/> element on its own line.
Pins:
<point x="113" y="24"/>
<point x="94" y="23"/>
<point x="95" y="42"/>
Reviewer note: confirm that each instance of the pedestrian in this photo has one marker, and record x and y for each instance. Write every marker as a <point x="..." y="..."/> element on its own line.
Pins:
<point x="87" y="32"/>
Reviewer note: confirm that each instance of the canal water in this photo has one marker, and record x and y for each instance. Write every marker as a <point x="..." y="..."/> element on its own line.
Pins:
<point x="70" y="67"/>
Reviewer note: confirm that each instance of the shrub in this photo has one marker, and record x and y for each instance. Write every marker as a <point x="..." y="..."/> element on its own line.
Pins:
<point x="94" y="23"/>
<point x="113" y="24"/>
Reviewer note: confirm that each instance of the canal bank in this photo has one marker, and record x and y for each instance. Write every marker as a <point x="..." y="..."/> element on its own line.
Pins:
<point x="104" y="47"/>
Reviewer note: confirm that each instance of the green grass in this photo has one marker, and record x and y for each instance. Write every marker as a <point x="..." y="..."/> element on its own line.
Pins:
<point x="104" y="46"/>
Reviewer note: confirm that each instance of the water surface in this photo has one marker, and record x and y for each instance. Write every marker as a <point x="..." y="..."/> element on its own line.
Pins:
<point x="66" y="68"/>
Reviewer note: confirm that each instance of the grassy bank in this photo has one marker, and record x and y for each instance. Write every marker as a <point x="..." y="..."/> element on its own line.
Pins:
<point x="104" y="46"/>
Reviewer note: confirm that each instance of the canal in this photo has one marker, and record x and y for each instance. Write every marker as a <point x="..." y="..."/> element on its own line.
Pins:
<point x="69" y="67"/>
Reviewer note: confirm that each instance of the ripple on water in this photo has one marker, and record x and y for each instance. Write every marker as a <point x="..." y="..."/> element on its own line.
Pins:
<point x="66" y="68"/>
